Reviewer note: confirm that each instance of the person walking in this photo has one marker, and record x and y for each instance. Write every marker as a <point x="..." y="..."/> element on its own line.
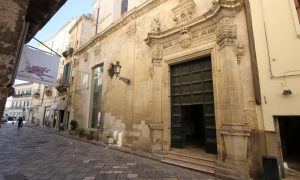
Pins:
<point x="20" y="122"/>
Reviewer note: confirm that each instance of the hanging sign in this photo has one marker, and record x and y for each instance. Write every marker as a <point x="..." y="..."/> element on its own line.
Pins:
<point x="38" y="66"/>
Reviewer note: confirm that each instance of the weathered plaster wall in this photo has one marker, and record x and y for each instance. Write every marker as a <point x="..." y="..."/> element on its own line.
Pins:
<point x="278" y="56"/>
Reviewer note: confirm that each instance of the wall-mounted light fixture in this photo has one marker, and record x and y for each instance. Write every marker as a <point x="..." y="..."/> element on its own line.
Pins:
<point x="287" y="92"/>
<point x="115" y="70"/>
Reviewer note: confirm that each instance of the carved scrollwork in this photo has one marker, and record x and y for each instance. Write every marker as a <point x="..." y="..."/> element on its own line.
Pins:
<point x="157" y="55"/>
<point x="155" y="26"/>
<point x="226" y="33"/>
<point x="239" y="50"/>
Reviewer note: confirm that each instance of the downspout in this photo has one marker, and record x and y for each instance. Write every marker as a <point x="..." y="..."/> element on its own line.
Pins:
<point x="254" y="68"/>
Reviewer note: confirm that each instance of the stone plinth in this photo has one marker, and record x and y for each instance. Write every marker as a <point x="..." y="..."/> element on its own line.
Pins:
<point x="156" y="132"/>
<point x="235" y="165"/>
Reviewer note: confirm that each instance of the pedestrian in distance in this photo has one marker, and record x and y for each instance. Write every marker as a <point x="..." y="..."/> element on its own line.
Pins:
<point x="61" y="126"/>
<point x="20" y="122"/>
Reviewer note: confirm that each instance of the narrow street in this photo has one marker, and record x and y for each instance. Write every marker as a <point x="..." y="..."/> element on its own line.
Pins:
<point x="29" y="153"/>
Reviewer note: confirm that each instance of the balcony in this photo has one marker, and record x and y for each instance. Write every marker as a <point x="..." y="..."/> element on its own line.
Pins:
<point x="48" y="91"/>
<point x="68" y="51"/>
<point x="62" y="87"/>
<point x="36" y="94"/>
<point x="22" y="95"/>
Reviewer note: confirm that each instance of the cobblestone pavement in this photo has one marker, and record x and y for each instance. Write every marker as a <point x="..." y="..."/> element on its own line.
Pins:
<point x="29" y="153"/>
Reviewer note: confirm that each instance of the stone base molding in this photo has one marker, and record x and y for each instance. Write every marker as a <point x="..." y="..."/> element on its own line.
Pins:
<point x="156" y="133"/>
<point x="235" y="165"/>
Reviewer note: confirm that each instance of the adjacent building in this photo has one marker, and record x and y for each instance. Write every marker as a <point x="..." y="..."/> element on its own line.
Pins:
<point x="277" y="43"/>
<point x="20" y="102"/>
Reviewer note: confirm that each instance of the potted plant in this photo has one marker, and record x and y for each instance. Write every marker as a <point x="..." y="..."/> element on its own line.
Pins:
<point x="81" y="132"/>
<point x="110" y="138"/>
<point x="74" y="125"/>
<point x="90" y="136"/>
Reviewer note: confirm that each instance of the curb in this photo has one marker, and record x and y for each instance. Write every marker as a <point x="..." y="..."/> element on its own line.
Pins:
<point x="120" y="149"/>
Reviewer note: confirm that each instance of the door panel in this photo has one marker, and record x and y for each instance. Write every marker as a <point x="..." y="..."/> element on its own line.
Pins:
<point x="177" y="129"/>
<point x="191" y="84"/>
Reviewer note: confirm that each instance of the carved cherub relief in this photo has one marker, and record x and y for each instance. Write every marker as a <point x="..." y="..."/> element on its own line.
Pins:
<point x="155" y="26"/>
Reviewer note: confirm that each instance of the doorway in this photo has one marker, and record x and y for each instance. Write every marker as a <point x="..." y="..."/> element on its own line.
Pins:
<point x="194" y="126"/>
<point x="289" y="128"/>
<point x="192" y="105"/>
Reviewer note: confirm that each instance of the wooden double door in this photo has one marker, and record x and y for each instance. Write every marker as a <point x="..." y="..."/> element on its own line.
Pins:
<point x="192" y="105"/>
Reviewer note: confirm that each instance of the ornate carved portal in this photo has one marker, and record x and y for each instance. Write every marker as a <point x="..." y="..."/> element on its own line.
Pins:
<point x="191" y="33"/>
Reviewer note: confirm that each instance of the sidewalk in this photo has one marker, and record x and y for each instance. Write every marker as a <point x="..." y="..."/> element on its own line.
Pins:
<point x="98" y="143"/>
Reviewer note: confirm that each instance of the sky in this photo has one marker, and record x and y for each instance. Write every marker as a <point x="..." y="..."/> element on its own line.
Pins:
<point x="72" y="8"/>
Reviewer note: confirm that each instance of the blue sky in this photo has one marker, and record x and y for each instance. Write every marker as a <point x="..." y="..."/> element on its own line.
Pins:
<point x="71" y="8"/>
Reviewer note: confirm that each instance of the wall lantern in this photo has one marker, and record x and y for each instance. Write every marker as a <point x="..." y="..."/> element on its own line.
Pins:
<point x="287" y="92"/>
<point x="115" y="70"/>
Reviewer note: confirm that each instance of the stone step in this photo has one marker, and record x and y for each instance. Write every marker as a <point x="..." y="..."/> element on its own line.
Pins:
<point x="190" y="165"/>
<point x="193" y="155"/>
<point x="194" y="159"/>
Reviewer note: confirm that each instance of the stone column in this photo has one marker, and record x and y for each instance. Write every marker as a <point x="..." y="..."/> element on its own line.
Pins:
<point x="12" y="23"/>
<point x="156" y="127"/>
<point x="234" y="129"/>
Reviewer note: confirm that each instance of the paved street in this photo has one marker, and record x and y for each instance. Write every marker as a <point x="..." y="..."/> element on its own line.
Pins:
<point x="29" y="153"/>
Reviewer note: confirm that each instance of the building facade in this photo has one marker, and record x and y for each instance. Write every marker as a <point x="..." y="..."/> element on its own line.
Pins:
<point x="20" y="102"/>
<point x="45" y="110"/>
<point x="187" y="85"/>
<point x="210" y="85"/>
<point x="52" y="105"/>
<point x="277" y="41"/>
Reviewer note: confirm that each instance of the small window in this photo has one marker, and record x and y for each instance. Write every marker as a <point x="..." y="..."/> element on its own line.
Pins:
<point x="66" y="74"/>
<point x="124" y="6"/>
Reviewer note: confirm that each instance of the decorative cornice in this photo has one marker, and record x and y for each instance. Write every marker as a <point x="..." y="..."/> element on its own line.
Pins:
<point x="129" y="16"/>
<point x="214" y="15"/>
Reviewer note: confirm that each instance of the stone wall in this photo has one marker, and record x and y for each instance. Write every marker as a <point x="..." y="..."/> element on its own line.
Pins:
<point x="12" y="15"/>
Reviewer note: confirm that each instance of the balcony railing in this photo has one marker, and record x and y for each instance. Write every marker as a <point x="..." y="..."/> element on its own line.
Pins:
<point x="22" y="94"/>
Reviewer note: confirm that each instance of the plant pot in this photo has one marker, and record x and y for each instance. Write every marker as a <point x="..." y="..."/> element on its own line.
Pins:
<point x="110" y="140"/>
<point x="89" y="137"/>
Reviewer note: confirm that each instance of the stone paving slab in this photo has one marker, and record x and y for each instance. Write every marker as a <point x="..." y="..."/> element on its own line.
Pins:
<point x="35" y="154"/>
